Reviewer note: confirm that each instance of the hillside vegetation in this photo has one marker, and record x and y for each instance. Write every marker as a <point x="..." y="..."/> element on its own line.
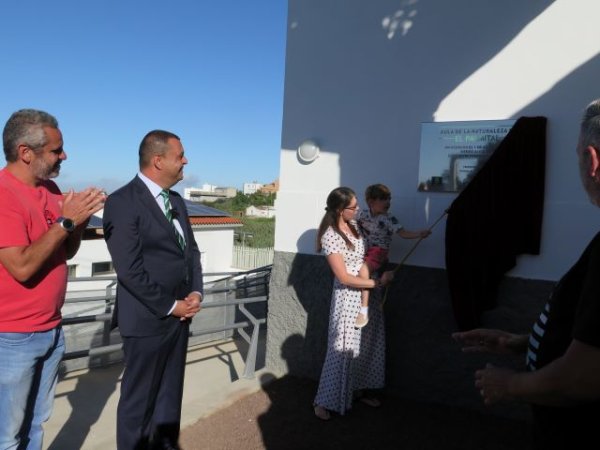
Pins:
<point x="257" y="232"/>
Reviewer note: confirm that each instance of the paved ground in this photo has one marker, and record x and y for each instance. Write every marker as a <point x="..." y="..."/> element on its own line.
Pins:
<point x="84" y="415"/>
<point x="280" y="417"/>
<point x="224" y="411"/>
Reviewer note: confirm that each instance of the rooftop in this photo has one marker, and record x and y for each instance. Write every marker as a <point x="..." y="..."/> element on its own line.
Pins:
<point x="200" y="215"/>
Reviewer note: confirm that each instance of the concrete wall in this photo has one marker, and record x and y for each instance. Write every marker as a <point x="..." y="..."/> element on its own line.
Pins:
<point x="423" y="362"/>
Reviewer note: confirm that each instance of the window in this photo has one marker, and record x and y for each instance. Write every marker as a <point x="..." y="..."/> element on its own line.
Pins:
<point x="102" y="268"/>
<point x="72" y="270"/>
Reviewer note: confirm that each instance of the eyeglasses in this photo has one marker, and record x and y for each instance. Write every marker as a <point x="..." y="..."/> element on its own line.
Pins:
<point x="353" y="208"/>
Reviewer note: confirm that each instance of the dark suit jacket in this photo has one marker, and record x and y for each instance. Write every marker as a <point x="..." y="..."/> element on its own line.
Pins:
<point x="152" y="270"/>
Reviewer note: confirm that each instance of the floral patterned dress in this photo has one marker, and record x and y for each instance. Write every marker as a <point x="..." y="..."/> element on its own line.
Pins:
<point x="355" y="357"/>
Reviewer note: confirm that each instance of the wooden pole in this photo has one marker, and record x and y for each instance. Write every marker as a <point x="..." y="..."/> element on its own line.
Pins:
<point x="415" y="245"/>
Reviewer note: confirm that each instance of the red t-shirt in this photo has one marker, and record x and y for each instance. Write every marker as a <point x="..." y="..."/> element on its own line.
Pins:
<point x="26" y="213"/>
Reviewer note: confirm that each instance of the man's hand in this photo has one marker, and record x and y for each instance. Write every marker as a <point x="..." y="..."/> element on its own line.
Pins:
<point x="493" y="384"/>
<point x="194" y="301"/>
<point x="79" y="206"/>
<point x="188" y="307"/>
<point x="386" y="277"/>
<point x="500" y="342"/>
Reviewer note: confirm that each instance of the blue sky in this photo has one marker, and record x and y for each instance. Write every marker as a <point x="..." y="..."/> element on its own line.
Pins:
<point x="112" y="70"/>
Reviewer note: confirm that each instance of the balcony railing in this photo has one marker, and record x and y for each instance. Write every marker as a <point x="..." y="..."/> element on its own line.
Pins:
<point x="233" y="302"/>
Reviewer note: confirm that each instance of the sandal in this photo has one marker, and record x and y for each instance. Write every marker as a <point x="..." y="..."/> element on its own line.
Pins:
<point x="370" y="401"/>
<point x="321" y="412"/>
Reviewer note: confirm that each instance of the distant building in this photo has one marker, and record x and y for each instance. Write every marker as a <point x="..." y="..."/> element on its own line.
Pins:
<point x="213" y="230"/>
<point x="208" y="193"/>
<point x="270" y="188"/>
<point x="251" y="188"/>
<point x="260" y="211"/>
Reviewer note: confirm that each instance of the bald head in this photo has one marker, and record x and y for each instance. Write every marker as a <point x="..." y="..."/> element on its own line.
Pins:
<point x="155" y="143"/>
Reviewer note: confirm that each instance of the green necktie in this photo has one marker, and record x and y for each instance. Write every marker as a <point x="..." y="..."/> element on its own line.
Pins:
<point x="169" y="213"/>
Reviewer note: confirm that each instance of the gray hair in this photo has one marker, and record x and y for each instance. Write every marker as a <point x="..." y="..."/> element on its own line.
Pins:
<point x="154" y="143"/>
<point x="589" y="136"/>
<point x="26" y="127"/>
<point x="590" y="126"/>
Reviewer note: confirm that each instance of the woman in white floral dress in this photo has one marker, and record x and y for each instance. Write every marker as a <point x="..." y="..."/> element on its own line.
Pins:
<point x="355" y="357"/>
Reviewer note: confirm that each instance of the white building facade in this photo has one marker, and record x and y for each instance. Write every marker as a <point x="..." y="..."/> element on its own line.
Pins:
<point x="360" y="86"/>
<point x="260" y="211"/>
<point x="252" y="188"/>
<point x="208" y="193"/>
<point x="360" y="79"/>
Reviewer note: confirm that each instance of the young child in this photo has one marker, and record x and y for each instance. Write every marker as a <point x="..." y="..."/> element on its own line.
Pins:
<point x="378" y="227"/>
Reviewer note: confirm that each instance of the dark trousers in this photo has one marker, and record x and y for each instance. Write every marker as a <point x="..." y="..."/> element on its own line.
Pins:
<point x="149" y="410"/>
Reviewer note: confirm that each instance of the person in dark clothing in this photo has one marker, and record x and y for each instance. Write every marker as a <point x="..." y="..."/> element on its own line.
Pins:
<point x="563" y="350"/>
<point x="160" y="289"/>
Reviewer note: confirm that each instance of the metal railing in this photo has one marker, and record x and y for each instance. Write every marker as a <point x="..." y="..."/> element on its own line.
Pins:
<point x="233" y="291"/>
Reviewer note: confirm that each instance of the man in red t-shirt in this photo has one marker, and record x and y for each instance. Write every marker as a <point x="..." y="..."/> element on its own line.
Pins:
<point x="39" y="230"/>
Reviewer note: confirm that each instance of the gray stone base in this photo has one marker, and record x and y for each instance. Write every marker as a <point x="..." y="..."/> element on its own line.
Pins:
<point x="298" y="314"/>
<point x="423" y="362"/>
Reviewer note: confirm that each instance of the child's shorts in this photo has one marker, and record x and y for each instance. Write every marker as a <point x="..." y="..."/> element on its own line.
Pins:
<point x="376" y="258"/>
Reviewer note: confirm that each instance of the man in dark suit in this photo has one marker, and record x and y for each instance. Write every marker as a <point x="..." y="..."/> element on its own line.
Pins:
<point x="159" y="290"/>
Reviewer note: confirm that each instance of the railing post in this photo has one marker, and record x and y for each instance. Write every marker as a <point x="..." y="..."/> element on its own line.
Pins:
<point x="229" y="316"/>
<point x="106" y="328"/>
<point x="250" y="367"/>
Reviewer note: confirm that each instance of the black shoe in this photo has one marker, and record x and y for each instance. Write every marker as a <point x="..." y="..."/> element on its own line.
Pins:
<point x="164" y="444"/>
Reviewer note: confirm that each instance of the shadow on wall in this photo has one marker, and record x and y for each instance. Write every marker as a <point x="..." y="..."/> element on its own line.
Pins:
<point x="307" y="240"/>
<point x="445" y="44"/>
<point x="567" y="99"/>
<point x="382" y="114"/>
<point x="312" y="281"/>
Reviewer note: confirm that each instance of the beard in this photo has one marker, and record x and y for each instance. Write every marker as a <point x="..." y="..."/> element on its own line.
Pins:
<point x="44" y="171"/>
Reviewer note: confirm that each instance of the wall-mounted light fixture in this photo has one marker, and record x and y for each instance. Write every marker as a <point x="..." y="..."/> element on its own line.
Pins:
<point x="308" y="151"/>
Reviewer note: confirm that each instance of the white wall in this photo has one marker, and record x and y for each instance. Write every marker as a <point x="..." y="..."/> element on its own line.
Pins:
<point x="261" y="211"/>
<point x="216" y="248"/>
<point x="362" y="76"/>
<point x="90" y="251"/>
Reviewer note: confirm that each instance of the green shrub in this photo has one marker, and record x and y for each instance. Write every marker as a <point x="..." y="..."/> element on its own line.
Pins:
<point x="257" y="232"/>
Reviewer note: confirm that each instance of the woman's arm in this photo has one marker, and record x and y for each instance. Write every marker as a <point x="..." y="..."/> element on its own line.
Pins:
<point x="336" y="262"/>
